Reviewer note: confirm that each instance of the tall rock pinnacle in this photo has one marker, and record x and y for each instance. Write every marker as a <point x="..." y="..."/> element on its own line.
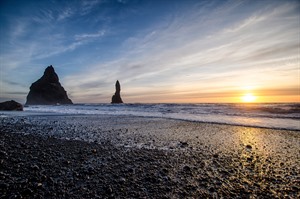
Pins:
<point x="47" y="90"/>
<point x="116" y="98"/>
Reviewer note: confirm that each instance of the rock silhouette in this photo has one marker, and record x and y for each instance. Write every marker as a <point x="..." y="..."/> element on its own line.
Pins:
<point x="11" y="106"/>
<point x="116" y="98"/>
<point x="47" y="90"/>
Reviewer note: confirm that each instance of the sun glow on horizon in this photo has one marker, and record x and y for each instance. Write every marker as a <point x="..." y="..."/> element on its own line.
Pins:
<point x="248" y="97"/>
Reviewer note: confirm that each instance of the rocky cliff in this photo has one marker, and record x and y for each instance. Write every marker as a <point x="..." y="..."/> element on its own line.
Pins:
<point x="47" y="90"/>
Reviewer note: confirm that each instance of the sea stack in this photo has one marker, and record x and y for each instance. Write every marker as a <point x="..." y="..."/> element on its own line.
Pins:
<point x="116" y="98"/>
<point x="47" y="90"/>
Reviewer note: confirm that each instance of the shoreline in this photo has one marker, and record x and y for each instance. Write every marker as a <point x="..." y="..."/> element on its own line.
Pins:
<point x="273" y="116"/>
<point x="115" y="156"/>
<point x="46" y="114"/>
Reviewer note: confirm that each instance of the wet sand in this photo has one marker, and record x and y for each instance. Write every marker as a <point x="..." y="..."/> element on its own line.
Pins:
<point x="135" y="157"/>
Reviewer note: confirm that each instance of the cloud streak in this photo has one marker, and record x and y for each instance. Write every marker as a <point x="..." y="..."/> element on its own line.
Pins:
<point x="90" y="36"/>
<point x="212" y="47"/>
<point x="213" y="54"/>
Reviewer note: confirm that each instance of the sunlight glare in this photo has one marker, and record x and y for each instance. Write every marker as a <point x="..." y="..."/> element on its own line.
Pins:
<point x="249" y="97"/>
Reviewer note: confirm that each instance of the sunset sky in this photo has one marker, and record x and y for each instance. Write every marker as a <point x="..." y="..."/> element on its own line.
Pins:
<point x="160" y="50"/>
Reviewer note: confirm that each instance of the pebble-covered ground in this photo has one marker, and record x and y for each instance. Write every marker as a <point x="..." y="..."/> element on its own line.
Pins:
<point x="134" y="157"/>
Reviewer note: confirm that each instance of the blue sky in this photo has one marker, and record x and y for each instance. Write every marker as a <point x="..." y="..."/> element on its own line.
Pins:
<point x="159" y="50"/>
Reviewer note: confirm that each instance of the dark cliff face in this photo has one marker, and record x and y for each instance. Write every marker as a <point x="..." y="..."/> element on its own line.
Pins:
<point x="47" y="90"/>
<point x="116" y="98"/>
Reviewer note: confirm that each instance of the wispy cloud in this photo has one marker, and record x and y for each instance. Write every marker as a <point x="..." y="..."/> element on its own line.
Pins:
<point x="88" y="6"/>
<point x="180" y="51"/>
<point x="68" y="12"/>
<point x="206" y="49"/>
<point x="90" y="36"/>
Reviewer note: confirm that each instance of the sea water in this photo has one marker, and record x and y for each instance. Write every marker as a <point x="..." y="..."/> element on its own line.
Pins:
<point x="277" y="116"/>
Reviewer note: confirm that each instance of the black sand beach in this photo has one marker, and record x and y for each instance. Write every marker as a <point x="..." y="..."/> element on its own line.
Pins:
<point x="135" y="157"/>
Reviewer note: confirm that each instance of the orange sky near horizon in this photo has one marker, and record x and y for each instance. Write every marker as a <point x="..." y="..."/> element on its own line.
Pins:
<point x="230" y="97"/>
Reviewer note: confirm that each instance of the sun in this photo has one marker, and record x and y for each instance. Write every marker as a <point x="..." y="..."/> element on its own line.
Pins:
<point x="249" y="97"/>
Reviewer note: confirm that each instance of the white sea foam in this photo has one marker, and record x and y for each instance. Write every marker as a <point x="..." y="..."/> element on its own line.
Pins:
<point x="278" y="116"/>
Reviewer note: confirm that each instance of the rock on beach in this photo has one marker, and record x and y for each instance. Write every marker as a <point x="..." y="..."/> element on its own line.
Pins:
<point x="11" y="106"/>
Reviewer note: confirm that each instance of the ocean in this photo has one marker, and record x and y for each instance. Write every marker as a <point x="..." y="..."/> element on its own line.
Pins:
<point x="266" y="115"/>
